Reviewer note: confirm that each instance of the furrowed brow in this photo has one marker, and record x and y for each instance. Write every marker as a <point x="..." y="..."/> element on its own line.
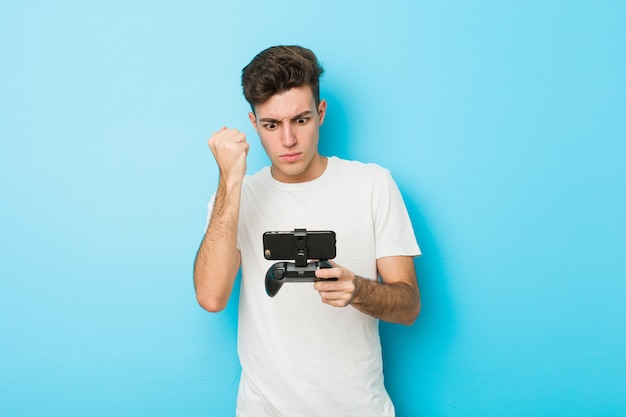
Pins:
<point x="303" y="114"/>
<point x="268" y="120"/>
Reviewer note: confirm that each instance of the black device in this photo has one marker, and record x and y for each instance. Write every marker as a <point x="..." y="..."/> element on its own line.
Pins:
<point x="299" y="246"/>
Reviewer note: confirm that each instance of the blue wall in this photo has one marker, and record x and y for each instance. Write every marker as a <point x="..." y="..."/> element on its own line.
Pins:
<point x="503" y="122"/>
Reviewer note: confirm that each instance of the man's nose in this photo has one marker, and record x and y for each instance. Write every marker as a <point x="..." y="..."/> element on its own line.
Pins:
<point x="288" y="135"/>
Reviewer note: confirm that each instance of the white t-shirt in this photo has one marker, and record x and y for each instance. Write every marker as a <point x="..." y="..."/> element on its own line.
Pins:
<point x="299" y="356"/>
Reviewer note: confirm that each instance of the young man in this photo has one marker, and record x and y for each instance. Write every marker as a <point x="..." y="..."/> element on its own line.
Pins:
<point x="314" y="349"/>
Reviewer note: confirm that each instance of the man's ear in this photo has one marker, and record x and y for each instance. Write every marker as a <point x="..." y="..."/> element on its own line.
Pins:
<point x="321" y="110"/>
<point x="252" y="118"/>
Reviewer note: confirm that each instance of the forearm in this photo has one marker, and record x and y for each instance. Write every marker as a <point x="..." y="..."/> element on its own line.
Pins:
<point x="397" y="302"/>
<point x="218" y="258"/>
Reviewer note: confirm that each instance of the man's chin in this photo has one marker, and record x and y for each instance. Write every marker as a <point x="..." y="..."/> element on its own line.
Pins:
<point x="289" y="172"/>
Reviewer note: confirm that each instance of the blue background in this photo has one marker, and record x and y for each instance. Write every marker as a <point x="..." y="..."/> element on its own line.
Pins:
<point x="503" y="123"/>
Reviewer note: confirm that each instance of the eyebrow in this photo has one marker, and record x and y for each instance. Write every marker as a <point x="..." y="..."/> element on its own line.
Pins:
<point x="297" y="116"/>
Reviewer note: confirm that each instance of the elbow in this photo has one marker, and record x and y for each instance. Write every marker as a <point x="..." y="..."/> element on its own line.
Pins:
<point x="211" y="297"/>
<point x="211" y="304"/>
<point x="411" y="307"/>
<point x="413" y="314"/>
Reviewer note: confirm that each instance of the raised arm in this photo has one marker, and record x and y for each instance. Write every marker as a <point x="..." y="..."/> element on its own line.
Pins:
<point x="218" y="258"/>
<point x="395" y="299"/>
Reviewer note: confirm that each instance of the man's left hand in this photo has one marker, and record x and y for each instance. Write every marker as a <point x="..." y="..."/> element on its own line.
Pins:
<point x="338" y="293"/>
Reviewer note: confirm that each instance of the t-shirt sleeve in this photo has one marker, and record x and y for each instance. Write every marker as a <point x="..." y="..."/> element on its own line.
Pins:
<point x="393" y="229"/>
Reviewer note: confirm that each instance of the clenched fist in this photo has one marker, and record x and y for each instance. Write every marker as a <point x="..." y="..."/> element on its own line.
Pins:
<point x="230" y="149"/>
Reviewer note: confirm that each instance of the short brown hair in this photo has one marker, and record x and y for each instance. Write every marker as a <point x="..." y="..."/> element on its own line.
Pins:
<point x="279" y="69"/>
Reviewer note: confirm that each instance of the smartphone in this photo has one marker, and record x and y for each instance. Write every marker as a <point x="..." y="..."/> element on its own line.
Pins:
<point x="284" y="246"/>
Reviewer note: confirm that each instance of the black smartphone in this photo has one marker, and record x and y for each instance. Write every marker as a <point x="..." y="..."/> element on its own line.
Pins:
<point x="284" y="246"/>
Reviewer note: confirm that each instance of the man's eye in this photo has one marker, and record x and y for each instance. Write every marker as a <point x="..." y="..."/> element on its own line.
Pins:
<point x="302" y="121"/>
<point x="270" y="126"/>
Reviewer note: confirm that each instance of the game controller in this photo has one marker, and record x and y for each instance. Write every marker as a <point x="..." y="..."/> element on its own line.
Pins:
<point x="299" y="245"/>
<point x="282" y="272"/>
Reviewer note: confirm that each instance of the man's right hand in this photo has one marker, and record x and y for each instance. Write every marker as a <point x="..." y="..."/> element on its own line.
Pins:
<point x="230" y="149"/>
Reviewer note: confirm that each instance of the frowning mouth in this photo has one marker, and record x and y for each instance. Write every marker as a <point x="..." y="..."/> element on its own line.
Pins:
<point x="291" y="157"/>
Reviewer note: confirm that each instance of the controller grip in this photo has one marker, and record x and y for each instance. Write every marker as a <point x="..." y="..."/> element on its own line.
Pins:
<point x="274" y="278"/>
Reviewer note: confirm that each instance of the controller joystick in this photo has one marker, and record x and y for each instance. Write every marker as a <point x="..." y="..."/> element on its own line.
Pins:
<point x="282" y="272"/>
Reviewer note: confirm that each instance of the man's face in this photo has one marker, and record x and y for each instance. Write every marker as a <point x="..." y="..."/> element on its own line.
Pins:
<point x="288" y="126"/>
